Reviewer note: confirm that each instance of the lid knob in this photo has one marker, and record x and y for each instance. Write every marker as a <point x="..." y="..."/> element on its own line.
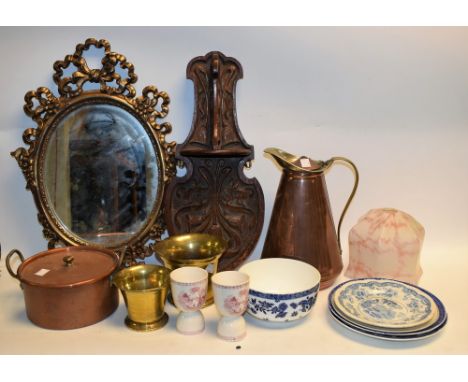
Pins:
<point x="68" y="260"/>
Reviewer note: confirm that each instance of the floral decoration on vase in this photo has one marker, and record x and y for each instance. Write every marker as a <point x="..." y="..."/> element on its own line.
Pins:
<point x="237" y="304"/>
<point x="192" y="299"/>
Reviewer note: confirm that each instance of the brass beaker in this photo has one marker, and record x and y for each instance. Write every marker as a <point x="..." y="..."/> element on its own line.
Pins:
<point x="192" y="250"/>
<point x="144" y="288"/>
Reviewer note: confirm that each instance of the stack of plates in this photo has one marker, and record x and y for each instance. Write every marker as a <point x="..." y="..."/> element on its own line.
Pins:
<point x="387" y="309"/>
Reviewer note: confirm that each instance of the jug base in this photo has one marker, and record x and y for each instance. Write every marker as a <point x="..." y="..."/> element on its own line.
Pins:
<point x="147" y="326"/>
<point x="324" y="284"/>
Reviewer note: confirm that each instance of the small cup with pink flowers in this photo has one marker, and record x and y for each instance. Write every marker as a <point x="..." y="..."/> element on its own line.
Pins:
<point x="231" y="292"/>
<point x="189" y="287"/>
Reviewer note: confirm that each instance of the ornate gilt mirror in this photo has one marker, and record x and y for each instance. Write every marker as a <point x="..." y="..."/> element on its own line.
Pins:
<point x="98" y="162"/>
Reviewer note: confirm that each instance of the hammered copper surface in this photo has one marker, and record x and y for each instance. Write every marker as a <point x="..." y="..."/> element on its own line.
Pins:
<point x="69" y="266"/>
<point x="70" y="308"/>
<point x="52" y="302"/>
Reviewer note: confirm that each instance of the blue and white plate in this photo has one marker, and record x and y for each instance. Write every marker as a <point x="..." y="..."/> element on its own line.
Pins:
<point x="384" y="303"/>
<point x="389" y="336"/>
<point x="436" y="324"/>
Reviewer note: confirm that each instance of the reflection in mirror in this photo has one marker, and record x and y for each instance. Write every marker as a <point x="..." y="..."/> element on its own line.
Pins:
<point x="101" y="173"/>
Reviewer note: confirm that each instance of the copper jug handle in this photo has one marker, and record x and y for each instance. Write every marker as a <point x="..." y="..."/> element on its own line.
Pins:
<point x="328" y="164"/>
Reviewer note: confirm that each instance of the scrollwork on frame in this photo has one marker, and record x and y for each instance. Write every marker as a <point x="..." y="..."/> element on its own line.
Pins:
<point x="49" y="233"/>
<point x="48" y="104"/>
<point x="73" y="86"/>
<point x="169" y="149"/>
<point x="26" y="164"/>
<point x="153" y="105"/>
<point x="147" y="104"/>
<point x="115" y="77"/>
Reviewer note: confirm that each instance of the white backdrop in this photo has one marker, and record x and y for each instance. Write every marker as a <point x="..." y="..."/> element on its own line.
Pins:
<point x="393" y="100"/>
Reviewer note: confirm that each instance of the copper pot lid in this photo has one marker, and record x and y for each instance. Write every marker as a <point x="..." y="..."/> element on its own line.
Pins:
<point x="68" y="267"/>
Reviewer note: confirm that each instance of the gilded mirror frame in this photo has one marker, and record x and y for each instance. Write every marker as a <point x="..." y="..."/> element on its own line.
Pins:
<point x="47" y="110"/>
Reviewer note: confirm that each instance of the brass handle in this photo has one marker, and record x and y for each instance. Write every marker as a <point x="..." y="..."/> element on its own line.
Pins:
<point x="7" y="262"/>
<point x="68" y="260"/>
<point x="328" y="164"/>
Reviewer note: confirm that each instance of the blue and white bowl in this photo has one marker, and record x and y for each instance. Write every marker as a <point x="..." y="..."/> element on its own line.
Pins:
<point x="281" y="290"/>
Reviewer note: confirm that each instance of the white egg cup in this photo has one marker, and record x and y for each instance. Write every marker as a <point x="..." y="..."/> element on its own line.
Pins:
<point x="189" y="286"/>
<point x="231" y="292"/>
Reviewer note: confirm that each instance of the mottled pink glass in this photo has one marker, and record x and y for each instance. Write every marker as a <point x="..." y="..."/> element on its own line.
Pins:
<point x="386" y="243"/>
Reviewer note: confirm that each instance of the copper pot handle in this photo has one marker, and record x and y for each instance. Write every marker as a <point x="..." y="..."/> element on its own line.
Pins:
<point x="7" y="262"/>
<point x="121" y="256"/>
<point x="328" y="164"/>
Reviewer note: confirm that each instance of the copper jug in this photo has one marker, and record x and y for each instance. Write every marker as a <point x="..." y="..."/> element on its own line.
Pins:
<point x="301" y="224"/>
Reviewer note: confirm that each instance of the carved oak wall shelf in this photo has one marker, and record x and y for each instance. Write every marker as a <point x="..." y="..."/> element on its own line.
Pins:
<point x="215" y="196"/>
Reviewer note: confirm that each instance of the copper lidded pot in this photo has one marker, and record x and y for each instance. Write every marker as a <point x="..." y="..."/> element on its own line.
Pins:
<point x="67" y="288"/>
<point x="301" y="225"/>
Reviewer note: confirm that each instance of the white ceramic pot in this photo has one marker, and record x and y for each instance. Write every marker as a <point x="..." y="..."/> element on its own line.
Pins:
<point x="189" y="286"/>
<point x="231" y="289"/>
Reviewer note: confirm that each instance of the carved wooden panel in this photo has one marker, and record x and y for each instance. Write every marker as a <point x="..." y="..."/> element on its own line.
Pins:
<point x="215" y="196"/>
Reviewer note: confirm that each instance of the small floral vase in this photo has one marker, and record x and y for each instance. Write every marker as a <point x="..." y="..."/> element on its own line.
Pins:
<point x="189" y="287"/>
<point x="231" y="293"/>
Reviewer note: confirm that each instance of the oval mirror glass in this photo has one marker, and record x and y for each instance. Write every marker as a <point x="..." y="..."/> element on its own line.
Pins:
<point x="101" y="173"/>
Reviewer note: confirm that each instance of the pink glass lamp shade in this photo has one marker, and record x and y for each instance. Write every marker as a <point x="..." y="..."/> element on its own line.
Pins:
<point x="386" y="243"/>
